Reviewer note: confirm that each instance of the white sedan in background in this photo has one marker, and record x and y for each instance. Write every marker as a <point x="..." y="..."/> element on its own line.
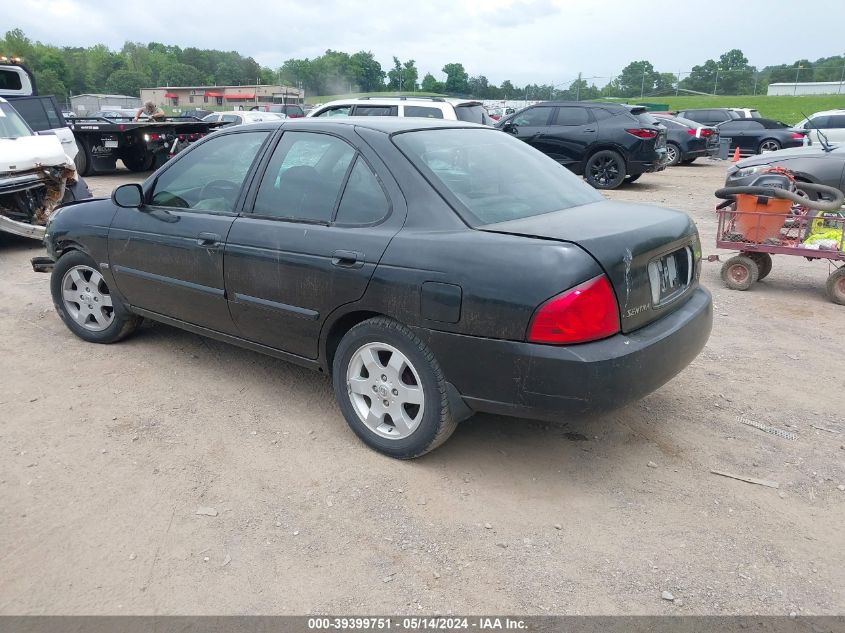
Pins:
<point x="244" y="117"/>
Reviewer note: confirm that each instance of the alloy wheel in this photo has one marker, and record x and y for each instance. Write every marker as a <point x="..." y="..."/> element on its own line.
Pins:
<point x="87" y="299"/>
<point x="769" y="146"/>
<point x="604" y="170"/>
<point x="385" y="390"/>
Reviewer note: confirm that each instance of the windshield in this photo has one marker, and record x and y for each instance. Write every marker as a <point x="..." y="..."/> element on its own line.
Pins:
<point x="12" y="124"/>
<point x="490" y="176"/>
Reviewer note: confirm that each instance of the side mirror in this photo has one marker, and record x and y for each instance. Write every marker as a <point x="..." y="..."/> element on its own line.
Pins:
<point x="509" y="127"/>
<point x="129" y="196"/>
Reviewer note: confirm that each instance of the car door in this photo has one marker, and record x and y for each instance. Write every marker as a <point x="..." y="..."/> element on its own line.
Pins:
<point x="167" y="256"/>
<point x="529" y="124"/>
<point x="573" y="129"/>
<point x="732" y="130"/>
<point x="319" y="222"/>
<point x="751" y="133"/>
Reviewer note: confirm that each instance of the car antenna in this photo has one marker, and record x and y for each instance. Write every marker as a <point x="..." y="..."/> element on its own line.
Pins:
<point x="822" y="136"/>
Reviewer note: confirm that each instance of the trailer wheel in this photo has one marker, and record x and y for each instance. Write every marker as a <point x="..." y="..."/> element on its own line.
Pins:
<point x="740" y="272"/>
<point x="764" y="264"/>
<point x="836" y="286"/>
<point x="82" y="160"/>
<point x="139" y="162"/>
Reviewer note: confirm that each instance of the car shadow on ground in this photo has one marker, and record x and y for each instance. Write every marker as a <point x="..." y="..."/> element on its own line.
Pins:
<point x="16" y="244"/>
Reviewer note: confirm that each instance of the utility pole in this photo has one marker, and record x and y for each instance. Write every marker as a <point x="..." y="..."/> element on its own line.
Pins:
<point x="578" y="88"/>
<point x="797" y="72"/>
<point x="715" y="85"/>
<point x="841" y="79"/>
<point x="755" y="82"/>
<point x="678" y="84"/>
<point x="642" y="85"/>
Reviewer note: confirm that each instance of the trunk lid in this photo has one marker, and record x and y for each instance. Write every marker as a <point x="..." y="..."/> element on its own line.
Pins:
<point x="651" y="255"/>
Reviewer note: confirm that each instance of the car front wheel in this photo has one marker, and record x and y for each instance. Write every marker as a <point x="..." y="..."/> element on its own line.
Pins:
<point x="391" y="390"/>
<point x="85" y="303"/>
<point x="673" y="154"/>
<point x="769" y="145"/>
<point x="605" y="169"/>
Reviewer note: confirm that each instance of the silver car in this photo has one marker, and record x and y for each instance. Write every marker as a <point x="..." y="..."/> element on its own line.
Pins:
<point x="808" y="164"/>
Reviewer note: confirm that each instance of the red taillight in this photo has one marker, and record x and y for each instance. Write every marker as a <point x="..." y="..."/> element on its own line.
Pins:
<point x="181" y="137"/>
<point x="155" y="137"/>
<point x="797" y="135"/>
<point x="690" y="131"/>
<point x="587" y="312"/>
<point x="642" y="132"/>
<point x="706" y="132"/>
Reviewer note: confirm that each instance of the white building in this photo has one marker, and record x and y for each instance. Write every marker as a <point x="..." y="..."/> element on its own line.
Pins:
<point x="807" y="88"/>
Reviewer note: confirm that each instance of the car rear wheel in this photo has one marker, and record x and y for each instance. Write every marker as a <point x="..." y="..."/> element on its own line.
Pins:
<point x="85" y="303"/>
<point x="139" y="162"/>
<point x="391" y="390"/>
<point x="673" y="154"/>
<point x="605" y="169"/>
<point x="768" y="145"/>
<point x="82" y="160"/>
<point x="836" y="286"/>
<point x="764" y="264"/>
<point x="740" y="272"/>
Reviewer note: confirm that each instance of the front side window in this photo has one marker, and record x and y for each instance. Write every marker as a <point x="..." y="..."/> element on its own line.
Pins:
<point x="493" y="177"/>
<point x="304" y="177"/>
<point x="337" y="111"/>
<point x="11" y="123"/>
<point x="532" y="116"/>
<point x="423" y="111"/>
<point x="210" y="176"/>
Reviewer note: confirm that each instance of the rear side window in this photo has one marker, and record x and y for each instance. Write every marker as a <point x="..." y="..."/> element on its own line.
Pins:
<point x="571" y="116"/>
<point x="472" y="114"/>
<point x="422" y="111"/>
<point x="293" y="110"/>
<point x="375" y="110"/>
<point x="304" y="177"/>
<point x="533" y="116"/>
<point x="363" y="200"/>
<point x="33" y="112"/>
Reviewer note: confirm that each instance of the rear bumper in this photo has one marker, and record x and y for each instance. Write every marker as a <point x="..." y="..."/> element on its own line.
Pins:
<point x="635" y="167"/>
<point x="550" y="382"/>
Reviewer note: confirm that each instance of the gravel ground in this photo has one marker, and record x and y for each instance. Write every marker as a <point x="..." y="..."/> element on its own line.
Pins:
<point x="176" y="474"/>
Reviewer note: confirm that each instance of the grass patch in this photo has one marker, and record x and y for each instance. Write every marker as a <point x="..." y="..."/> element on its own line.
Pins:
<point x="786" y="109"/>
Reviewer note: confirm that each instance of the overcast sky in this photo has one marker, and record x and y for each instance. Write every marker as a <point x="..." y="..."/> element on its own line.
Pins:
<point x="526" y="41"/>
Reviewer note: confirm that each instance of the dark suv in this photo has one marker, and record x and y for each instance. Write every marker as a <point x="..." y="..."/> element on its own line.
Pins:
<point x="604" y="142"/>
<point x="710" y="116"/>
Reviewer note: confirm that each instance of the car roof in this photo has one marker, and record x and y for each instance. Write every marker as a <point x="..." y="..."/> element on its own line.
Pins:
<point x="402" y="99"/>
<point x="386" y="124"/>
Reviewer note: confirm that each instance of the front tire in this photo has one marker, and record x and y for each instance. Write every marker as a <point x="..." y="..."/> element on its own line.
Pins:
<point x="605" y="169"/>
<point x="391" y="389"/>
<point x="139" y="162"/>
<point x="84" y="302"/>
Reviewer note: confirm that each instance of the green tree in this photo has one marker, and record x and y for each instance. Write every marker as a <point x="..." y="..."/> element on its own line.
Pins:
<point x="637" y="78"/>
<point x="478" y="87"/>
<point x="702" y="78"/>
<point x="181" y="75"/>
<point x="430" y="84"/>
<point x="49" y="83"/>
<point x="127" y="82"/>
<point x="456" y="78"/>
<point x="366" y="72"/>
<point x="507" y="89"/>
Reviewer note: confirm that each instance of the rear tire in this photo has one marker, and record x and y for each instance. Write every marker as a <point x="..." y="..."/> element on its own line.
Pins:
<point x="84" y="302"/>
<point x="82" y="160"/>
<point x="142" y="162"/>
<point x="764" y="264"/>
<point x="768" y="145"/>
<point x="673" y="154"/>
<point x="391" y="389"/>
<point x="605" y="169"/>
<point x="740" y="272"/>
<point x="836" y="286"/>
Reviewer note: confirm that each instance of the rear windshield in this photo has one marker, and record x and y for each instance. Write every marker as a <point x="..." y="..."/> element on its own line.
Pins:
<point x="293" y="110"/>
<point x="473" y="114"/>
<point x="490" y="176"/>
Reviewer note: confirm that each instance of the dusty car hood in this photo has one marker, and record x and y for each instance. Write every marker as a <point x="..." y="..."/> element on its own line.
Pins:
<point x="814" y="151"/>
<point x="28" y="152"/>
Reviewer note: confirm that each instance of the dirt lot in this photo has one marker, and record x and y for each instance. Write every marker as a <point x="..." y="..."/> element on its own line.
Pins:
<point x="109" y="451"/>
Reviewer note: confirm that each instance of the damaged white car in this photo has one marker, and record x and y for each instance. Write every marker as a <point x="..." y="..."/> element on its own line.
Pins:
<point x="36" y="176"/>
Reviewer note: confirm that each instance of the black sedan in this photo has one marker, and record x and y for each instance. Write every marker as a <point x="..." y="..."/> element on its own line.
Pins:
<point x="687" y="140"/>
<point x="432" y="268"/>
<point x="755" y="136"/>
<point x="822" y="165"/>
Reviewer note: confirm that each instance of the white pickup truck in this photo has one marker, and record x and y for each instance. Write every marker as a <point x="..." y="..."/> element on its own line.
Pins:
<point x="36" y="175"/>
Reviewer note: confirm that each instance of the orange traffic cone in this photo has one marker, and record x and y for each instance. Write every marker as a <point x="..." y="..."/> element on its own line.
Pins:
<point x="736" y="155"/>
